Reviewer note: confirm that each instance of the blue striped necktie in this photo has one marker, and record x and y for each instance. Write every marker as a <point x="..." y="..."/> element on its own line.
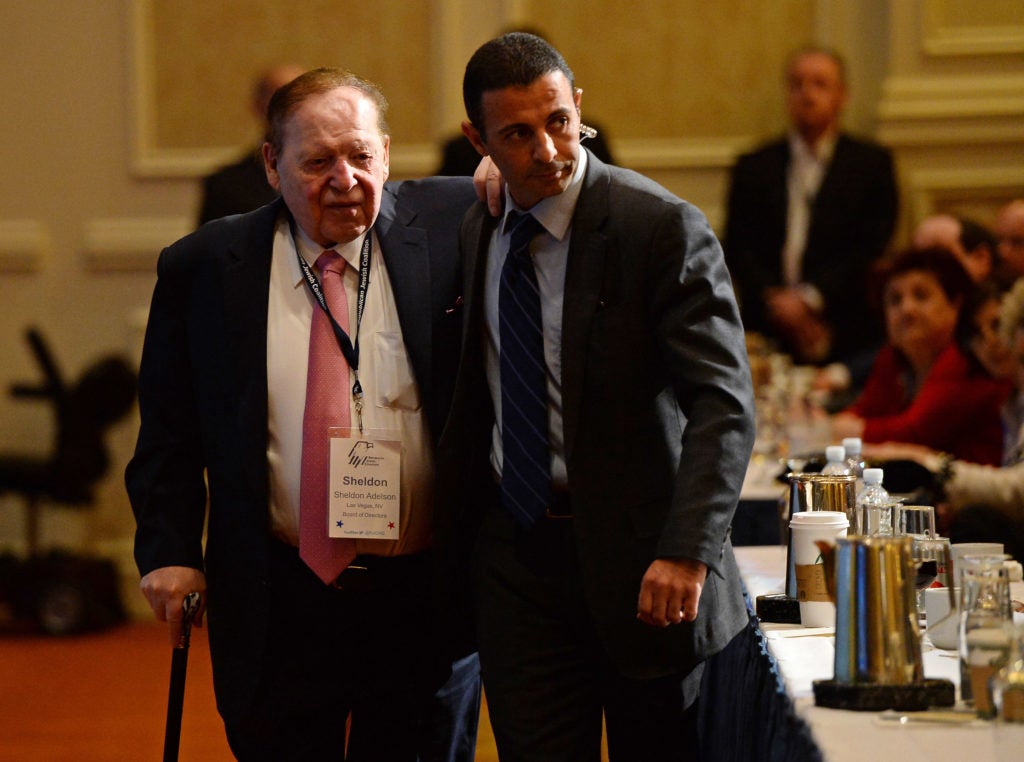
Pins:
<point x="526" y="463"/>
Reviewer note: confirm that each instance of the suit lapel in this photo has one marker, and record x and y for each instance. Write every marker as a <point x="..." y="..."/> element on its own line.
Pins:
<point x="246" y="289"/>
<point x="478" y="228"/>
<point x="828" y="181"/>
<point x="407" y="257"/>
<point x="584" y="278"/>
<point x="778" y="197"/>
<point x="472" y="410"/>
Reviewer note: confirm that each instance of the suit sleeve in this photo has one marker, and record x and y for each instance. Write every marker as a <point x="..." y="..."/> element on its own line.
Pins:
<point x="165" y="478"/>
<point x="702" y="341"/>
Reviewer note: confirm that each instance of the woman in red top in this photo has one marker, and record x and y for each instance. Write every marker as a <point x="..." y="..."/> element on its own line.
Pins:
<point x="923" y="388"/>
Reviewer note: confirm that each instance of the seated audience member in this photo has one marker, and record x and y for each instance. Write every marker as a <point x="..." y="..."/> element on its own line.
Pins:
<point x="986" y="503"/>
<point x="923" y="388"/>
<point x="1009" y="230"/>
<point x="978" y="331"/>
<point x="242" y="186"/>
<point x="973" y="244"/>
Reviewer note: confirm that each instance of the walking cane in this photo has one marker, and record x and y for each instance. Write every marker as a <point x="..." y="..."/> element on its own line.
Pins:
<point x="179" y="661"/>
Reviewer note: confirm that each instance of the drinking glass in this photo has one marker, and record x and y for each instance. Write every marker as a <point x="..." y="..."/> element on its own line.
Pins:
<point x="985" y="615"/>
<point x="930" y="555"/>
<point x="917" y="520"/>
<point x="1008" y="685"/>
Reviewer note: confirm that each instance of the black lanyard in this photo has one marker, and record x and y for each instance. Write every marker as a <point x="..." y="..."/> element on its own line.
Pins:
<point x="349" y="349"/>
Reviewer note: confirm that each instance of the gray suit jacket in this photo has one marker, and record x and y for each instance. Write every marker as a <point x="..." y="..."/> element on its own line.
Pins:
<point x="203" y="400"/>
<point x="657" y="409"/>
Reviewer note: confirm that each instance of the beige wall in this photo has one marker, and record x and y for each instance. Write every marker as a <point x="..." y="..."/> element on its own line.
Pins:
<point x="113" y="108"/>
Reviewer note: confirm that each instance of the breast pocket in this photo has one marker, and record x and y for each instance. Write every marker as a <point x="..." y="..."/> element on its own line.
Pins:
<point x="396" y="386"/>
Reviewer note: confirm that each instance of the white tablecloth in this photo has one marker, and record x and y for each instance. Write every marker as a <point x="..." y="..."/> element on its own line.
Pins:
<point x="807" y="654"/>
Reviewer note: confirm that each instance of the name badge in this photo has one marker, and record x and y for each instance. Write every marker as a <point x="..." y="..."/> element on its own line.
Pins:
<point x="364" y="485"/>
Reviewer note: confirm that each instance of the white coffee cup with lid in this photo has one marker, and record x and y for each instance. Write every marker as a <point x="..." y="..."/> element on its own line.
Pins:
<point x="816" y="606"/>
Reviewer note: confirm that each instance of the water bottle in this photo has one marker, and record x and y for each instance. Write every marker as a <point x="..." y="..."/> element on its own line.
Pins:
<point x="874" y="506"/>
<point x="835" y="457"/>
<point x="854" y="462"/>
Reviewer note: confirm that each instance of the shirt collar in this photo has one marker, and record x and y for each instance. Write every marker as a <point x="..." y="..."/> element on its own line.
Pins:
<point x="554" y="212"/>
<point x="310" y="251"/>
<point x="822" y="153"/>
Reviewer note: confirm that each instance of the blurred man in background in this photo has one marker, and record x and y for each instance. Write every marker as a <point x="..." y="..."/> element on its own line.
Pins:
<point x="808" y="215"/>
<point x="973" y="243"/>
<point x="242" y="186"/>
<point x="1009" y="231"/>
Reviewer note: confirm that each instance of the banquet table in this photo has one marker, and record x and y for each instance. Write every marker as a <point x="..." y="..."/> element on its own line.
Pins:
<point x="799" y="655"/>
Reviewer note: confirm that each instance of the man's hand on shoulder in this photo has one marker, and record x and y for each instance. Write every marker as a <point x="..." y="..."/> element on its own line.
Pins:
<point x="670" y="591"/>
<point x="165" y="589"/>
<point x="490" y="185"/>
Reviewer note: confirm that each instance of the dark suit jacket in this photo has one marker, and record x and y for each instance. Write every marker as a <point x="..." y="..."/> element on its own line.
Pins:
<point x="203" y="400"/>
<point x="852" y="220"/>
<point x="236" y="188"/>
<point x="657" y="409"/>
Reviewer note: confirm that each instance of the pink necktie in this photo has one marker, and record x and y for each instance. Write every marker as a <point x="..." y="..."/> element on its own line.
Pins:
<point x="327" y="404"/>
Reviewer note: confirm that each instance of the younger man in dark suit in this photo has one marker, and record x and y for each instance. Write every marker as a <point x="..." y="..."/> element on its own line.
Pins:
<point x="603" y="411"/>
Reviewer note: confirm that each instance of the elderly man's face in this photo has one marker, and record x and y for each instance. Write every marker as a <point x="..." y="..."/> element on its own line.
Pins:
<point x="532" y="134"/>
<point x="332" y="165"/>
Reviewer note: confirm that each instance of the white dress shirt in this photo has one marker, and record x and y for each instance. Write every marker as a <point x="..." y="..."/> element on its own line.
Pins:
<point x="550" y="253"/>
<point x="806" y="170"/>
<point x="391" y="397"/>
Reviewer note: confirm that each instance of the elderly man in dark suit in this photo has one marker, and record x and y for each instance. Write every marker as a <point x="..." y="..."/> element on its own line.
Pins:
<point x="248" y="326"/>
<point x="808" y="214"/>
<point x="599" y="436"/>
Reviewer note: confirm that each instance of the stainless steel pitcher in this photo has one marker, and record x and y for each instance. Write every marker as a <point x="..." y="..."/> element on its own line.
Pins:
<point x="815" y="492"/>
<point x="877" y="637"/>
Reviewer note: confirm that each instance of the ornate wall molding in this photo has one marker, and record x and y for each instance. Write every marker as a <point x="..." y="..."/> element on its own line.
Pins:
<point x="929" y="110"/>
<point x="931" y="190"/>
<point x="944" y="35"/>
<point x="682" y="154"/>
<point x="24" y="246"/>
<point x="952" y="96"/>
<point x="130" y="244"/>
<point x="154" y="157"/>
